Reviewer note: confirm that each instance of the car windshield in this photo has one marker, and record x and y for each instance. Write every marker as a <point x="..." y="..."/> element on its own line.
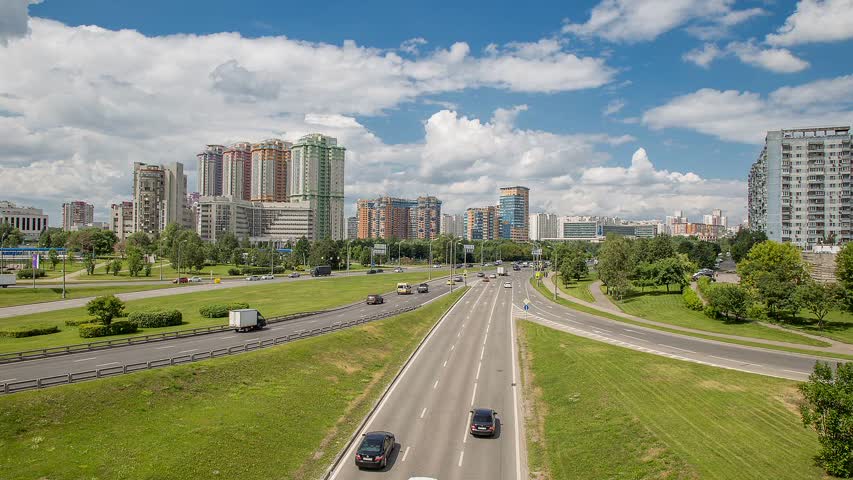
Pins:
<point x="482" y="417"/>
<point x="370" y="445"/>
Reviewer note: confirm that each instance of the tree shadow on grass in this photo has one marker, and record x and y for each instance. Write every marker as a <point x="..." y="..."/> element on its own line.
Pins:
<point x="810" y="325"/>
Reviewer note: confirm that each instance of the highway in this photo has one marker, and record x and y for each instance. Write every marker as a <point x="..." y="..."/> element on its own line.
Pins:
<point x="467" y="361"/>
<point x="118" y="356"/>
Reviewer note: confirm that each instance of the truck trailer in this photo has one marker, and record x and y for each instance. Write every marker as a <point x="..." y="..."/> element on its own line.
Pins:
<point x="245" y="320"/>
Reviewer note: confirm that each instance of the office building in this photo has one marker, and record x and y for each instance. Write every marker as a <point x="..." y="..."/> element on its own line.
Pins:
<point x="514" y="213"/>
<point x="543" y="225"/>
<point x="715" y="218"/>
<point x="237" y="171"/>
<point x="121" y="219"/>
<point x="210" y="170"/>
<point x="269" y="170"/>
<point x="352" y="228"/>
<point x="260" y="222"/>
<point x="453" y="225"/>
<point x="800" y="189"/>
<point x="77" y="214"/>
<point x="315" y="175"/>
<point x="30" y="221"/>
<point x="588" y="230"/>
<point x="483" y="223"/>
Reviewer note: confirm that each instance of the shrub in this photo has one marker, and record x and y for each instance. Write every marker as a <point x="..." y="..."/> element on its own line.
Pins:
<point x="710" y="311"/>
<point x="91" y="330"/>
<point x="28" y="273"/>
<point x="757" y="311"/>
<point x="729" y="300"/>
<point x="29" y="331"/>
<point x="156" y="318"/>
<point x="692" y="300"/>
<point x="219" y="310"/>
<point x="234" y="271"/>
<point x="105" y="308"/>
<point x="261" y="270"/>
<point x="77" y="323"/>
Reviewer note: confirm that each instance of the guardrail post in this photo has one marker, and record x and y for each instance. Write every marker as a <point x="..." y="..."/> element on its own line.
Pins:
<point x="69" y="378"/>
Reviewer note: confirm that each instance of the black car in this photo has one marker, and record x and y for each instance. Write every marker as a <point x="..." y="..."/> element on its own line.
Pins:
<point x="371" y="271"/>
<point x="423" y="288"/>
<point x="483" y="422"/>
<point x="374" y="450"/>
<point x="375" y="299"/>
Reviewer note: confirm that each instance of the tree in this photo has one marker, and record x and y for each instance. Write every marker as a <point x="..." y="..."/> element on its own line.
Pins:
<point x="187" y="250"/>
<point x="147" y="269"/>
<point x="89" y="264"/>
<point x="135" y="261"/>
<point x="818" y="298"/>
<point x="105" y="308"/>
<point x="828" y="409"/>
<point x="325" y="252"/>
<point x="10" y="236"/>
<point x="302" y="249"/>
<point x="744" y="241"/>
<point x="774" y="270"/>
<point x="53" y="257"/>
<point x="615" y="261"/>
<point x="670" y="271"/>
<point x="227" y="244"/>
<point x="115" y="266"/>
<point x="729" y="299"/>
<point x="660" y="247"/>
<point x="844" y="273"/>
<point x="140" y="240"/>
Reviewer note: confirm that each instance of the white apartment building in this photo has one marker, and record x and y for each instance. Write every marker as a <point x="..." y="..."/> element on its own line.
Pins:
<point x="260" y="222"/>
<point x="543" y="225"/>
<point x="30" y="221"/>
<point x="452" y="225"/>
<point x="121" y="219"/>
<point x="800" y="188"/>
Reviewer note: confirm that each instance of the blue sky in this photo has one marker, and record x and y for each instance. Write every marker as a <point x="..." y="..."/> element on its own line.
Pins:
<point x="698" y="121"/>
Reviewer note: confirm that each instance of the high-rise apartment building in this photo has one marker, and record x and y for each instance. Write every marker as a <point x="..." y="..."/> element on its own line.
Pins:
<point x="543" y="225"/>
<point x="515" y="213"/>
<point x="237" y="171"/>
<point x="30" y="221"/>
<point x="121" y="219"/>
<point x="210" y="170"/>
<point x="715" y="218"/>
<point x="159" y="197"/>
<point x="453" y="225"/>
<point x="428" y="214"/>
<point x="77" y="214"/>
<point x="390" y="217"/>
<point x="315" y="175"/>
<point x="175" y="209"/>
<point x="352" y="228"/>
<point x="483" y="223"/>
<point x="269" y="170"/>
<point x="800" y="189"/>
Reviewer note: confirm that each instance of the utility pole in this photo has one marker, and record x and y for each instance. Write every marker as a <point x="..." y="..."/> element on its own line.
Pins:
<point x="65" y="254"/>
<point x="272" y="259"/>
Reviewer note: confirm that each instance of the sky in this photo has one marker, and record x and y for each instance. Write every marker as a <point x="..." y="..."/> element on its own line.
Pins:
<point x="632" y="108"/>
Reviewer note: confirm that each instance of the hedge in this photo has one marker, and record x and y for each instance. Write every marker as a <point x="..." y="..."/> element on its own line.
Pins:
<point x="28" y="273"/>
<point x="91" y="330"/>
<point x="234" y="271"/>
<point x="77" y="323"/>
<point x="261" y="270"/>
<point x="692" y="300"/>
<point x="31" y="331"/>
<point x="219" y="310"/>
<point x="156" y="318"/>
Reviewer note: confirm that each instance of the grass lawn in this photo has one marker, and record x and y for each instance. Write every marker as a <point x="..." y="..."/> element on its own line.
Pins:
<point x="655" y="417"/>
<point x="837" y="325"/>
<point x="281" y="412"/>
<point x="601" y="313"/>
<point x="271" y="299"/>
<point x="168" y="272"/>
<point x="21" y="296"/>
<point x="579" y="289"/>
<point x="655" y="304"/>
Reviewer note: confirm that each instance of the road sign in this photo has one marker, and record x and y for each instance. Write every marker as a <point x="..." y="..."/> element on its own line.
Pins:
<point x="526" y="307"/>
<point x="538" y="275"/>
<point x="469" y="248"/>
<point x="527" y="301"/>
<point x="284" y="250"/>
<point x="380" y="249"/>
<point x="537" y="251"/>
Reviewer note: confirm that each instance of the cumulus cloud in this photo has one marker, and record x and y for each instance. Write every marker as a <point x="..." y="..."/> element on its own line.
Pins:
<point x="704" y="56"/>
<point x="14" y="20"/>
<point x="614" y="106"/>
<point x="83" y="103"/>
<point x="816" y="21"/>
<point x="778" y="60"/>
<point x="732" y="115"/>
<point x="643" y="20"/>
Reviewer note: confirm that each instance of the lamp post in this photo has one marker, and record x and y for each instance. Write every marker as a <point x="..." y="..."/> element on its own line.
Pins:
<point x="399" y="244"/>
<point x="348" y="248"/>
<point x="64" y="255"/>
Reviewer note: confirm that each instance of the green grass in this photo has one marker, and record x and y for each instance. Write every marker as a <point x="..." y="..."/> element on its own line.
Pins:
<point x="658" y="305"/>
<point x="22" y="296"/>
<point x="579" y="289"/>
<point x="837" y="325"/>
<point x="656" y="417"/>
<point x="601" y="313"/>
<point x="101" y="274"/>
<point x="277" y="413"/>
<point x="272" y="300"/>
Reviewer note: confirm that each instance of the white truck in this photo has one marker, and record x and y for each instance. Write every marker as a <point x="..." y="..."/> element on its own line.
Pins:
<point x="7" y="279"/>
<point x="501" y="270"/>
<point x="245" y="320"/>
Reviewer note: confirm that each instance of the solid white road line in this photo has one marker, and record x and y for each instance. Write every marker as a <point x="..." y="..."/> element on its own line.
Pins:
<point x="405" y="454"/>
<point x="515" y="395"/>
<point x="423" y="412"/>
<point x="461" y="456"/>
<point x="675" y="348"/>
<point x="473" y="394"/>
<point x="232" y="336"/>
<point x="105" y="364"/>
<point x="722" y="358"/>
<point x="485" y="338"/>
<point x="796" y="371"/>
<point x="84" y="359"/>
<point x="635" y="338"/>
<point x="165" y="347"/>
<point x="483" y="351"/>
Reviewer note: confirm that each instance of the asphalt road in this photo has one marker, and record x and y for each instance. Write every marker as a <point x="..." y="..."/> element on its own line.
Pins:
<point x="709" y="352"/>
<point x="192" y="288"/>
<point x="468" y="361"/>
<point x="114" y="357"/>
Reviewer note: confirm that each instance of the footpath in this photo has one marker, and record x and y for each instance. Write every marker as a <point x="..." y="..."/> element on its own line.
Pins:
<point x="604" y="304"/>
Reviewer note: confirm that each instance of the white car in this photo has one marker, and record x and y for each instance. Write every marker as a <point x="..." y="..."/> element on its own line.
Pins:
<point x="252" y="278"/>
<point x="507" y="285"/>
<point x="195" y="279"/>
<point x="492" y="275"/>
<point x="436" y="266"/>
<point x="267" y="277"/>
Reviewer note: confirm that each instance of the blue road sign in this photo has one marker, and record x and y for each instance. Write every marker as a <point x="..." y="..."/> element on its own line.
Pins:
<point x="283" y="250"/>
<point x="526" y="307"/>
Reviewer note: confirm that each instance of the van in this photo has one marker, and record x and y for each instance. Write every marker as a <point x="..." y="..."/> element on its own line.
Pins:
<point x="404" y="289"/>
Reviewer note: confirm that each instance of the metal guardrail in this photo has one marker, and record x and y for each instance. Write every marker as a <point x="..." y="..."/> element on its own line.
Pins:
<point x="44" y="382"/>
<point x="12" y="357"/>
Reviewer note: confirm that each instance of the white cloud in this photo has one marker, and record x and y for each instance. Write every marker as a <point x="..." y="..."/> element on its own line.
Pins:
<point x="703" y="57"/>
<point x="779" y="60"/>
<point x="413" y="45"/>
<point x="613" y="107"/>
<point x="745" y="117"/>
<point x="816" y="21"/>
<point x="643" y="20"/>
<point x="76" y="115"/>
<point x="14" y="21"/>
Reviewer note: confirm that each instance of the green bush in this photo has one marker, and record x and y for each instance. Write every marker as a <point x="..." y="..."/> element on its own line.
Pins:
<point x="710" y="311"/>
<point x="156" y="318"/>
<point x="105" y="308"/>
<point x="234" y="271"/>
<point x="219" y="310"/>
<point x="261" y="270"/>
<point x="77" y="323"/>
<point x="92" y="330"/>
<point x="692" y="300"/>
<point x="29" y="331"/>
<point x="757" y="311"/>
<point x="28" y="273"/>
